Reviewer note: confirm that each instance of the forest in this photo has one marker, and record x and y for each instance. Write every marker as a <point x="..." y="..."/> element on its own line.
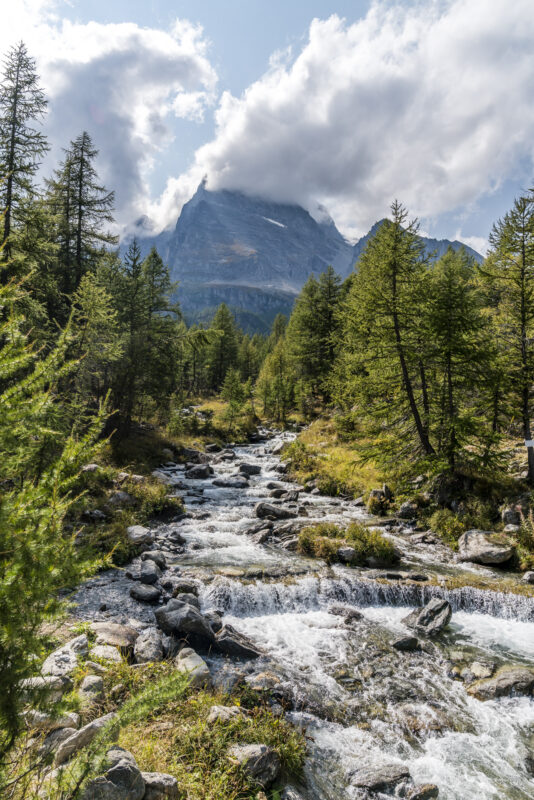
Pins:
<point x="414" y="373"/>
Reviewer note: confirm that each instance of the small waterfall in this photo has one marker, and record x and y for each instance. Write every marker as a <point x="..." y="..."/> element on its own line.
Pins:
<point x="312" y="593"/>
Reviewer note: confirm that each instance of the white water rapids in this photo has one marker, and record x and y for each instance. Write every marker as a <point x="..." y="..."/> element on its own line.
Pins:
<point x="360" y="701"/>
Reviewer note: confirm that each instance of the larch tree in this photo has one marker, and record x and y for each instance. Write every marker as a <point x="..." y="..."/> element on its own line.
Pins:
<point x="22" y="144"/>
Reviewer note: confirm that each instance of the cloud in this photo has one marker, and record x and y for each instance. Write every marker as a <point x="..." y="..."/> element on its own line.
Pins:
<point x="122" y="83"/>
<point x="428" y="102"/>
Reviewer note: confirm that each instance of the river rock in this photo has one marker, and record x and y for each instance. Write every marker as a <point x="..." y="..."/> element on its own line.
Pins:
<point x="148" y="647"/>
<point x="213" y="447"/>
<point x="64" y="660"/>
<point x="224" y="714"/>
<point x="190" y="662"/>
<point x="430" y="619"/>
<point x="528" y="577"/>
<point x="249" y="469"/>
<point x="350" y="614"/>
<point x="215" y="620"/>
<point x="156" y="556"/>
<point x="150" y="573"/>
<point x="380" y="778"/>
<point x="81" y="738"/>
<point x="185" y="586"/>
<point x="145" y="594"/>
<point x="347" y="555"/>
<point x="139" y="535"/>
<point x="187" y="599"/>
<point x="484" y="547"/>
<point x="92" y="688"/>
<point x="232" y="643"/>
<point x="107" y="653"/>
<point x="112" y="633"/>
<point x="199" y="472"/>
<point x="194" y="456"/>
<point x="159" y="786"/>
<point x="181" y="620"/>
<point x="230" y="483"/>
<point x="406" y="644"/>
<point x="427" y="791"/>
<point x="506" y="682"/>
<point x="264" y="510"/>
<point x="259" y="762"/>
<point x="290" y="793"/>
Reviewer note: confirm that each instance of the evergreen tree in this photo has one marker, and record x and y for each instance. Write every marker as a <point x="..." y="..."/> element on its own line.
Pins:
<point x="22" y="145"/>
<point x="379" y="364"/>
<point x="84" y="209"/>
<point x="276" y="381"/>
<point x="233" y="392"/>
<point x="509" y="272"/>
<point x="222" y="351"/>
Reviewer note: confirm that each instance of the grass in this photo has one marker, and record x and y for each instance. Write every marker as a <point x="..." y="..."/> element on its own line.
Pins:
<point x="163" y="722"/>
<point x="325" y="539"/>
<point x="321" y="454"/>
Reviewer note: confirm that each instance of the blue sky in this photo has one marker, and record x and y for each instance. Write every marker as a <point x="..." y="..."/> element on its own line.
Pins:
<point x="344" y="104"/>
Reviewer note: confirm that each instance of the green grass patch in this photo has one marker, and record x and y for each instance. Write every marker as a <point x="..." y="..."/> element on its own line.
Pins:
<point x="325" y="539"/>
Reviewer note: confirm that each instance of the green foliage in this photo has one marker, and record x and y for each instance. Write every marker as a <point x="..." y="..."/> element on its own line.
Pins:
<point x="325" y="539"/>
<point x="525" y="543"/>
<point x="447" y="525"/>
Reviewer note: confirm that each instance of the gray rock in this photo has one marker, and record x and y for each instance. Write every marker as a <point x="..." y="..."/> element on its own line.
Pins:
<point x="290" y="793"/>
<point x="214" y="620"/>
<point x="64" y="660"/>
<point x="53" y="740"/>
<point x="41" y="721"/>
<point x="148" y="647"/>
<point x="213" y="447"/>
<point x="199" y="472"/>
<point x="159" y="786"/>
<point x="81" y="738"/>
<point x="156" y="556"/>
<point x="186" y="599"/>
<point x="380" y="778"/>
<point x="90" y="468"/>
<point x="528" y="577"/>
<point x="350" y="614"/>
<point x="264" y="510"/>
<point x="182" y="585"/>
<point x="120" y="498"/>
<point x="430" y="619"/>
<point x="145" y="594"/>
<point x="506" y="682"/>
<point x="123" y="781"/>
<point x="138" y="535"/>
<point x="232" y="643"/>
<point x="249" y="469"/>
<point x="259" y="762"/>
<point x="484" y="547"/>
<point x="184" y="621"/>
<point x="347" y="555"/>
<point x="230" y="483"/>
<point x="51" y="687"/>
<point x="92" y="688"/>
<point x="511" y="516"/>
<point x="427" y="791"/>
<point x="112" y="633"/>
<point x="224" y="714"/>
<point x="406" y="643"/>
<point x="150" y="573"/>
<point x="191" y="663"/>
<point x="107" y="653"/>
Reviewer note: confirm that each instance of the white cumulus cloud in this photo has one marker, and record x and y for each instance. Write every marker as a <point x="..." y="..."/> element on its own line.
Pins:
<point x="429" y="102"/>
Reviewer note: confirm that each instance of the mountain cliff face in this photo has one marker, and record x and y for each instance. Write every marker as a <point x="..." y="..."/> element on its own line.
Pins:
<point x="253" y="254"/>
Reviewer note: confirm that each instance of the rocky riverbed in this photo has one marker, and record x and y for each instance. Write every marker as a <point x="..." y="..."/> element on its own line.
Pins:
<point x="394" y="704"/>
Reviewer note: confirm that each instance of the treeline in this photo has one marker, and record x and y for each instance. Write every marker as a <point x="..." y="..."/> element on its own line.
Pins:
<point x="428" y="362"/>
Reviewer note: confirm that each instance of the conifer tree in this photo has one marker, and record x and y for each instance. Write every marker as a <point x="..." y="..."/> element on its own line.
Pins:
<point x="22" y="145"/>
<point x="509" y="271"/>
<point x="84" y="209"/>
<point x="222" y="351"/>
<point x="380" y="358"/>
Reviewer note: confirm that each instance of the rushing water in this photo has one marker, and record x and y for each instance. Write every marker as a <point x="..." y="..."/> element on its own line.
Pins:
<point x="360" y="701"/>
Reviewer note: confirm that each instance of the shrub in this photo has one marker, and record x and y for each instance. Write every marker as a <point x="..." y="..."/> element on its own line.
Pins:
<point x="448" y="526"/>
<point x="325" y="539"/>
<point x="376" y="505"/>
<point x="525" y="543"/>
<point x="370" y="543"/>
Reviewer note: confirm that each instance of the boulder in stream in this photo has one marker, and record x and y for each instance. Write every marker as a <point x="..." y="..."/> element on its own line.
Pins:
<point x="506" y="682"/>
<point x="380" y="778"/>
<point x="148" y="647"/>
<point x="184" y="621"/>
<point x="194" y="666"/>
<point x="484" y="547"/>
<point x="139" y="535"/>
<point x="249" y="469"/>
<point x="430" y="619"/>
<point x="231" y="483"/>
<point x="144" y="593"/>
<point x="269" y="511"/>
<point x="232" y="643"/>
<point x="123" y="636"/>
<point x="426" y="791"/>
<point x="199" y="472"/>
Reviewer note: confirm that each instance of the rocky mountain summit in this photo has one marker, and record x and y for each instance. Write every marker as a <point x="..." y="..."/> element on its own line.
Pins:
<point x="253" y="254"/>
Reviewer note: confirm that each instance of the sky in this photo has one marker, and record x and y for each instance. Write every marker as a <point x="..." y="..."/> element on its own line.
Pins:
<point x="343" y="104"/>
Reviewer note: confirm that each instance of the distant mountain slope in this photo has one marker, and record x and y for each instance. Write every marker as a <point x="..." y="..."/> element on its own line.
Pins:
<point x="253" y="254"/>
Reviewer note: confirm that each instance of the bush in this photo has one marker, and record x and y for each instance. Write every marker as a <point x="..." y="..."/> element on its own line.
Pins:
<point x="376" y="505"/>
<point x="325" y="539"/>
<point x="448" y="526"/>
<point x="525" y="543"/>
